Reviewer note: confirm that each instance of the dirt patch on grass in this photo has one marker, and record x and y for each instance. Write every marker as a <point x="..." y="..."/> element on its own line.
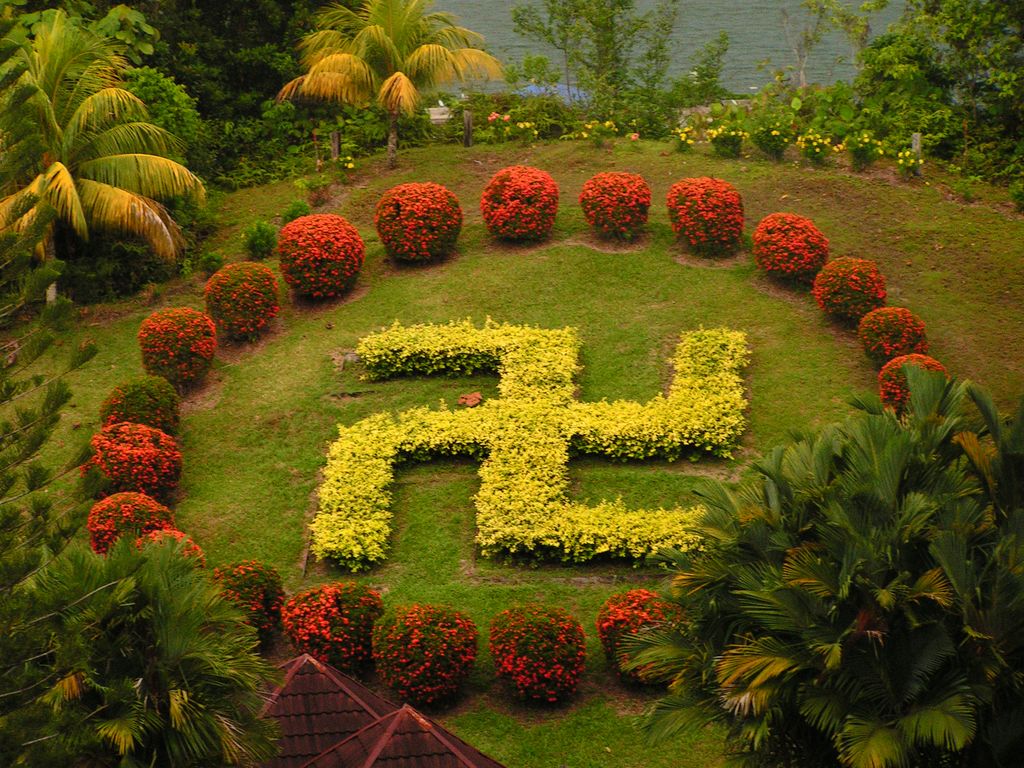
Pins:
<point x="233" y="352"/>
<point x="309" y="307"/>
<point x="605" y="245"/>
<point x="683" y="255"/>
<point x="205" y="397"/>
<point x="396" y="267"/>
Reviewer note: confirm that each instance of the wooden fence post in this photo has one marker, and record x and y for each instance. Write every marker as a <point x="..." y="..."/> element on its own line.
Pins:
<point x="467" y="128"/>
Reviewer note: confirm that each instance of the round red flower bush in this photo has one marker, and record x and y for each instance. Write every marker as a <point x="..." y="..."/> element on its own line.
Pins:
<point x="242" y="298"/>
<point x="520" y="203"/>
<point x="334" y="623"/>
<point x="789" y="247"/>
<point x="889" y="332"/>
<point x="629" y="612"/>
<point x="178" y="344"/>
<point x="539" y="651"/>
<point x="321" y="255"/>
<point x="707" y="213"/>
<point x="425" y="652"/>
<point x="165" y="536"/>
<point x="255" y="588"/>
<point x="892" y="380"/>
<point x="847" y="289"/>
<point x="150" y="400"/>
<point x="616" y="204"/>
<point x="418" y="221"/>
<point x="130" y="513"/>
<point x="134" y="457"/>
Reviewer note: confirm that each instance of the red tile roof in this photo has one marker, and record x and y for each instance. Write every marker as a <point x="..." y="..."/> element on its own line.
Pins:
<point x="402" y="739"/>
<point x="317" y="706"/>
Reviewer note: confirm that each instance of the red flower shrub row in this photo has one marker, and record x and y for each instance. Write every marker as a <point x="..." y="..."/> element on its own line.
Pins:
<point x="889" y="332"/>
<point x="539" y="651"/>
<point x="125" y="513"/>
<point x="520" y="203"/>
<point x="707" y="213"/>
<point x="627" y="613"/>
<point x="242" y="298"/>
<point x="616" y="204"/>
<point x="255" y="588"/>
<point x="789" y="247"/>
<point x="150" y="400"/>
<point x="418" y="221"/>
<point x="164" y="536"/>
<point x="847" y="289"/>
<point x="321" y="255"/>
<point x="134" y="457"/>
<point x="892" y="380"/>
<point x="178" y="344"/>
<point x="425" y="652"/>
<point x="334" y="623"/>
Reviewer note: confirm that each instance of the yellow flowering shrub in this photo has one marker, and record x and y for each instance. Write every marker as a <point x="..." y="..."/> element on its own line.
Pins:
<point x="524" y="439"/>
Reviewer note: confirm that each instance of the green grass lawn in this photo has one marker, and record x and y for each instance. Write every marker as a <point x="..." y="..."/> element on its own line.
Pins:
<point x="254" y="437"/>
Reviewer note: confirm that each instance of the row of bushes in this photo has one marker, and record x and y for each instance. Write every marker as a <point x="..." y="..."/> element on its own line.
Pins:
<point x="525" y="439"/>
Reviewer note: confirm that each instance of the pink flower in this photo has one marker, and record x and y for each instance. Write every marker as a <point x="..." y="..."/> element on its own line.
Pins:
<point x="634" y="137"/>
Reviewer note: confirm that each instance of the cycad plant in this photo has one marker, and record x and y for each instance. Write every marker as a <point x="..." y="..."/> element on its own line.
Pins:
<point x="77" y="144"/>
<point x="390" y="51"/>
<point x="861" y="604"/>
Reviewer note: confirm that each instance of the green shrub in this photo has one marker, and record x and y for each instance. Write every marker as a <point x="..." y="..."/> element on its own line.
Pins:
<point x="150" y="400"/>
<point x="242" y="299"/>
<point x="538" y="651"/>
<point x="209" y="262"/>
<point x="257" y="589"/>
<point x="295" y="209"/>
<point x="260" y="240"/>
<point x="847" y="288"/>
<point x="1017" y="194"/>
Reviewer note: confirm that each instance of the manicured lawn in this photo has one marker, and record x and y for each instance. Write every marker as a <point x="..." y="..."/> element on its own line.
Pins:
<point x="254" y="437"/>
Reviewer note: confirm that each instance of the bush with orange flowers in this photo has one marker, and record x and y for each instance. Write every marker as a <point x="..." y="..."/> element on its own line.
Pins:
<point x="520" y="203"/>
<point x="616" y="204"/>
<point x="707" y="213"/>
<point x="257" y="589"/>
<point x="539" y="651"/>
<point x="425" y="652"/>
<point x="169" y="536"/>
<point x="178" y="344"/>
<point x="149" y="400"/>
<point x="418" y="221"/>
<point x="242" y="299"/>
<point x="321" y="255"/>
<point x="889" y="332"/>
<point x="334" y="623"/>
<point x="892" y="380"/>
<point x="629" y="612"/>
<point x="847" y="288"/>
<point x="789" y="247"/>
<point x="134" y="457"/>
<point x="125" y="513"/>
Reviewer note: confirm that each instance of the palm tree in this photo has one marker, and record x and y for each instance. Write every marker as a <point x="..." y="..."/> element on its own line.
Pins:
<point x="78" y="144"/>
<point x="390" y="50"/>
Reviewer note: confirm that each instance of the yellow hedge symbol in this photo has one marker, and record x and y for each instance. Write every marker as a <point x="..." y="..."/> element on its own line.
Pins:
<point x="525" y="439"/>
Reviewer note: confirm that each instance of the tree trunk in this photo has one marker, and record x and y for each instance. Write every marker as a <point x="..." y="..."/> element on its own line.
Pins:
<point x="392" y="139"/>
<point x="50" y="254"/>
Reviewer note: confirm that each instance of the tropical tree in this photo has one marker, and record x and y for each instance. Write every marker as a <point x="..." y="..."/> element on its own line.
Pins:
<point x="862" y="603"/>
<point x="79" y="145"/>
<point x="388" y="50"/>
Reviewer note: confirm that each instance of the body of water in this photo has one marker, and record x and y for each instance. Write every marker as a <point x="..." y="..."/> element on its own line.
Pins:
<point x="755" y="28"/>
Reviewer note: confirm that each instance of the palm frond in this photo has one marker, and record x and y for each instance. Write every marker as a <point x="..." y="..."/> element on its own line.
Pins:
<point x="102" y="109"/>
<point x="341" y="77"/>
<point x="871" y="743"/>
<point x="60" y="192"/>
<point x="119" y="210"/>
<point x="148" y="175"/>
<point x="399" y="94"/>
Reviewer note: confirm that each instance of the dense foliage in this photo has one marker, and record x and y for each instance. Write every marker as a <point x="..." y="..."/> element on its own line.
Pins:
<point x="334" y="623"/>
<point x="627" y="613"/>
<point x="242" y="299"/>
<point x="149" y="400"/>
<point x="616" y="204"/>
<point x="419" y="221"/>
<point x="178" y="344"/>
<point x="320" y="255"/>
<point x="538" y="651"/>
<point x="127" y="512"/>
<point x="789" y="247"/>
<point x="183" y="544"/>
<point x="889" y="332"/>
<point x="520" y="203"/>
<point x="134" y="457"/>
<point x="893" y="387"/>
<point x="848" y="288"/>
<point x="257" y="589"/>
<point x="707" y="213"/>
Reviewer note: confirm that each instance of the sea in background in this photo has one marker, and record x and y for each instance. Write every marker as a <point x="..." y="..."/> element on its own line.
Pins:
<point x="755" y="29"/>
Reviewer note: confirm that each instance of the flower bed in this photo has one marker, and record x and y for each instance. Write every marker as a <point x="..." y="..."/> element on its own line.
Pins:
<point x="257" y="589"/>
<point x="334" y="623"/>
<point x="627" y="613"/>
<point x="134" y="457"/>
<point x="174" y="537"/>
<point x="425" y="652"/>
<point x="616" y="204"/>
<point x="707" y="213"/>
<point x="418" y="221"/>
<point x="789" y="247"/>
<point x="847" y="289"/>
<point x="150" y="400"/>
<point x="125" y="513"/>
<point x="538" y="651"/>
<point x="320" y="255"/>
<point x="889" y="332"/>
<point x="242" y="299"/>
<point x="178" y="344"/>
<point x="892" y="380"/>
<point x="520" y="203"/>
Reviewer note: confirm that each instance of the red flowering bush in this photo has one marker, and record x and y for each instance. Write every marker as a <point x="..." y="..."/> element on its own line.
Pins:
<point x="892" y="380"/>
<point x="178" y="344"/>
<point x="629" y="612"/>
<point x="707" y="213"/>
<point x="425" y="652"/>
<point x="616" y="204"/>
<point x="889" y="332"/>
<point x="150" y="400"/>
<point x="132" y="513"/>
<point x="334" y="623"/>
<point x="539" y="651"/>
<point x="242" y="298"/>
<point x="418" y="221"/>
<point x="134" y="457"/>
<point x="321" y="255"/>
<point x="256" y="589"/>
<point x="848" y="289"/>
<point x="520" y="203"/>
<point x="789" y="247"/>
<point x="165" y="536"/>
